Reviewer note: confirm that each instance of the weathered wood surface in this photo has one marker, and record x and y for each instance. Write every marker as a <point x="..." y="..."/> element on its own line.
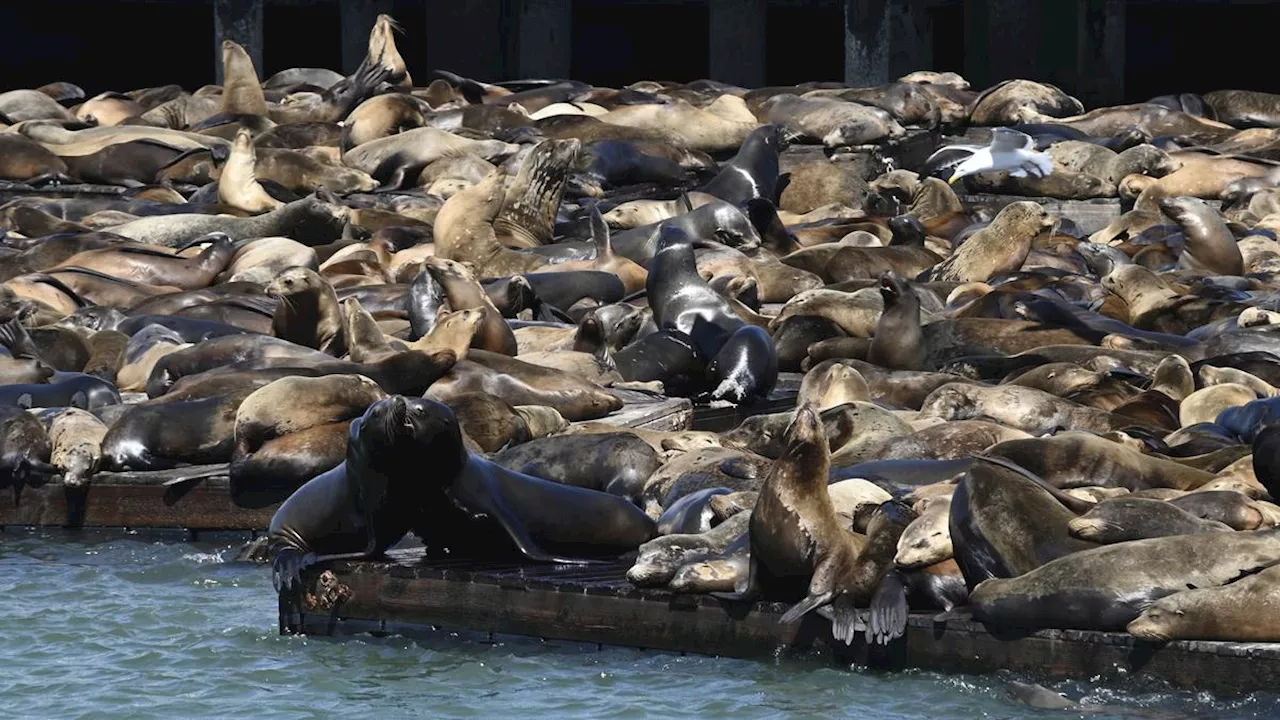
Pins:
<point x="594" y="604"/>
<point x="1090" y="215"/>
<point x="136" y="500"/>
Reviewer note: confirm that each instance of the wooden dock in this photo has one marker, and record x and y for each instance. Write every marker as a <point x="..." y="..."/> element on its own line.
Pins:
<point x="136" y="500"/>
<point x="594" y="604"/>
<point x="198" y="499"/>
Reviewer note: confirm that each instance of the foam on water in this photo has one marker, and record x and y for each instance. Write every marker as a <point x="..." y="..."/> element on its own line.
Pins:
<point x="111" y="626"/>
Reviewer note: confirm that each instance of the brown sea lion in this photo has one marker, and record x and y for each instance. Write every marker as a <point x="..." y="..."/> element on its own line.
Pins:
<point x="308" y="313"/>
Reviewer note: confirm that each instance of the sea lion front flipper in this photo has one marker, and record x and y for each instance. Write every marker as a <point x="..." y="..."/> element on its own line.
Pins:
<point x="287" y="567"/>
<point x="811" y="602"/>
<point x="888" y="610"/>
<point x="746" y="589"/>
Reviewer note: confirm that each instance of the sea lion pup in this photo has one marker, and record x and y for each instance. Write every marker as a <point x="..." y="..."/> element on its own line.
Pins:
<point x="1240" y="612"/>
<point x="528" y="215"/>
<point x="899" y="342"/>
<point x="308" y="313"/>
<point x="1001" y="247"/>
<point x="1210" y="245"/>
<point x="796" y="539"/>
<point x="238" y="186"/>
<point x="76" y="439"/>
<point x="1106" y="588"/>
<point x="1004" y="523"/>
<point x="464" y="292"/>
<point x="1124" y="519"/>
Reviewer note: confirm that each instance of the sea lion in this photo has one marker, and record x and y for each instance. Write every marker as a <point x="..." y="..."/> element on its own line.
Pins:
<point x="1009" y="102"/>
<point x="1077" y="459"/>
<point x="367" y="503"/>
<point x="65" y="390"/>
<point x="832" y="122"/>
<point x="719" y="572"/>
<point x="1123" y="519"/>
<point x="796" y="541"/>
<point x="76" y="440"/>
<point x="899" y="342"/>
<point x="493" y="424"/>
<point x="617" y="463"/>
<point x="927" y="540"/>
<point x="308" y="313"/>
<point x="310" y="221"/>
<point x="294" y="404"/>
<point x="1204" y="405"/>
<point x="528" y="215"/>
<point x="155" y="266"/>
<point x="658" y="560"/>
<point x="238" y="186"/>
<point x="25" y="160"/>
<point x="1237" y="612"/>
<point x="1106" y="588"/>
<point x="1026" y="409"/>
<point x="396" y="159"/>
<point x="106" y="355"/>
<point x="1210" y="246"/>
<point x="1001" y="247"/>
<point x="162" y="436"/>
<point x="464" y="292"/>
<point x="752" y="173"/>
<point x="1003" y="523"/>
<point x="521" y="383"/>
<point x="24" y="447"/>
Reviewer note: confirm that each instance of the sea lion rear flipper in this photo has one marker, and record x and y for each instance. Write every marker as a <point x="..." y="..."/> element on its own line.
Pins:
<point x="811" y="602"/>
<point x="519" y="535"/>
<point x="846" y="622"/>
<point x="888" y="610"/>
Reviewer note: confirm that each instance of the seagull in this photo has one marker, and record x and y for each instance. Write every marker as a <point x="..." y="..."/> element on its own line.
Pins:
<point x="1009" y="150"/>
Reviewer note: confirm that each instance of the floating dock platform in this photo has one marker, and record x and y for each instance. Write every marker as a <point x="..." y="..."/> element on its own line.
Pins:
<point x="595" y="604"/>
<point x="198" y="498"/>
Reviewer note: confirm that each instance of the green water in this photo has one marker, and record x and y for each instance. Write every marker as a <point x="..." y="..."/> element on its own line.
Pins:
<point x="107" y="626"/>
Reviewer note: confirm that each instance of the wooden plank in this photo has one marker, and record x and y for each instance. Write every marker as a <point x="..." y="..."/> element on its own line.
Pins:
<point x="135" y="500"/>
<point x="577" y="604"/>
<point x="1090" y="215"/>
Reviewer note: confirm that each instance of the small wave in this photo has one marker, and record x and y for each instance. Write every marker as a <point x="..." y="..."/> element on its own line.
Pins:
<point x="205" y="558"/>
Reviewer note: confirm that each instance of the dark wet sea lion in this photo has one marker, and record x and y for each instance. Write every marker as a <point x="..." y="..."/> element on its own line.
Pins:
<point x="691" y="514"/>
<point x="898" y="343"/>
<point x="1003" y="524"/>
<point x="63" y="390"/>
<point x="1210" y="245"/>
<point x="753" y="172"/>
<point x="1106" y="588"/>
<point x="165" y="435"/>
<point x="24" y="446"/>
<point x="365" y="505"/>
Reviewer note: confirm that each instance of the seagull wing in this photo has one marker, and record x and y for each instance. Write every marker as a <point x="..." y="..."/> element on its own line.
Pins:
<point x="1007" y="140"/>
<point x="949" y="157"/>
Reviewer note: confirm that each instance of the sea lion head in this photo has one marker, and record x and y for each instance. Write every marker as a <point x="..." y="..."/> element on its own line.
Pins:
<point x="1159" y="622"/>
<point x="399" y="435"/>
<point x="293" y="281"/>
<point x="78" y="466"/>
